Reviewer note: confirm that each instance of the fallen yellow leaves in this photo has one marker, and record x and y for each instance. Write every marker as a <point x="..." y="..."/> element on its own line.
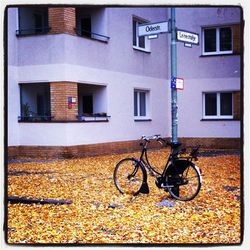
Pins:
<point x="99" y="214"/>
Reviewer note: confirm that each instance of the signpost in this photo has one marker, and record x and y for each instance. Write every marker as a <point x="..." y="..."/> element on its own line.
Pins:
<point x="173" y="76"/>
<point x="152" y="30"/>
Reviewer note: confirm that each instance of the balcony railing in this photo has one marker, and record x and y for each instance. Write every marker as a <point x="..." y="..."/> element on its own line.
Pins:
<point x="33" y="31"/>
<point x="91" y="35"/>
<point x="38" y="118"/>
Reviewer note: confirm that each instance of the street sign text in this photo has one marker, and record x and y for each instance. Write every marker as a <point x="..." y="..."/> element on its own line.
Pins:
<point x="187" y="37"/>
<point x="152" y="28"/>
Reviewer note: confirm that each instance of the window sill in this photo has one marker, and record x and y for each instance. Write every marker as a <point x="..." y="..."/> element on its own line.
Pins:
<point x="141" y="49"/>
<point x="142" y="119"/>
<point x="217" y="55"/>
<point x="218" y="119"/>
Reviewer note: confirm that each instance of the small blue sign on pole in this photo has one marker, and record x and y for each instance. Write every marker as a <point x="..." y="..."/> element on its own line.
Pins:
<point x="173" y="83"/>
<point x="177" y="83"/>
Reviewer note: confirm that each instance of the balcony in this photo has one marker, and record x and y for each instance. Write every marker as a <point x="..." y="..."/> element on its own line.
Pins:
<point x="91" y="22"/>
<point x="35" y="102"/>
<point x="92" y="103"/>
<point x="32" y="21"/>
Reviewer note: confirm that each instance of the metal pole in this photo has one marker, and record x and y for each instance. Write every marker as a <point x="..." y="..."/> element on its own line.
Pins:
<point x="173" y="75"/>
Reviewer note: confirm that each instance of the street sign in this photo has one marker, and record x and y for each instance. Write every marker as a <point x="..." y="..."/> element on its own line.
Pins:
<point x="187" y="37"/>
<point x="149" y="29"/>
<point x="152" y="36"/>
<point x="177" y="83"/>
<point x="188" y="45"/>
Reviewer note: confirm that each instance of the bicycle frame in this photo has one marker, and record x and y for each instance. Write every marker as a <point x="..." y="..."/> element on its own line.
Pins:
<point x="144" y="159"/>
<point x="170" y="161"/>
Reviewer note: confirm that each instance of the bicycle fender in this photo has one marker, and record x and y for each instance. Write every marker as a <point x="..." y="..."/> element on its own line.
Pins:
<point x="144" y="187"/>
<point x="199" y="172"/>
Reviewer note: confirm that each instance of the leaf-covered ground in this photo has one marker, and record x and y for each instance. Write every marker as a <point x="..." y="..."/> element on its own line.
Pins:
<point x="99" y="214"/>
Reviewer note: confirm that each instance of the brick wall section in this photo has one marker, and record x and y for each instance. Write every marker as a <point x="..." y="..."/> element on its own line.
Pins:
<point x="62" y="20"/>
<point x="237" y="105"/>
<point x="236" y="38"/>
<point x="59" y="93"/>
<point x="113" y="148"/>
<point x="212" y="143"/>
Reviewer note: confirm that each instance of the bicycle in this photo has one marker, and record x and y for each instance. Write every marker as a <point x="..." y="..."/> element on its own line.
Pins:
<point x="180" y="176"/>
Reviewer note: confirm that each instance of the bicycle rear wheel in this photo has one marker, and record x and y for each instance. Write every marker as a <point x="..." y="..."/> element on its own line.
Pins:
<point x="186" y="185"/>
<point x="128" y="176"/>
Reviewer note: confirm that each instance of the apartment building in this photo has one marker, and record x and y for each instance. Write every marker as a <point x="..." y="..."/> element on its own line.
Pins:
<point x="82" y="82"/>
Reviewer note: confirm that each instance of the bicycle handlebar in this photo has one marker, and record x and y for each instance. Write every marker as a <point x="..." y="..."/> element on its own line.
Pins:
<point x="157" y="138"/>
<point x="152" y="137"/>
<point x="173" y="145"/>
<point x="160" y="140"/>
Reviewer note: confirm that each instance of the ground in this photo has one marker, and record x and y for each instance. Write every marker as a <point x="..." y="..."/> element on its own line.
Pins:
<point x="99" y="214"/>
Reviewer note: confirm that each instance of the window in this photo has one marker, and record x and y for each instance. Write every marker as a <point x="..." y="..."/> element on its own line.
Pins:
<point x="91" y="22"/>
<point x="141" y="43"/>
<point x="35" y="102"/>
<point x="141" y="103"/>
<point x="218" y="105"/>
<point x="32" y="21"/>
<point x="217" y="40"/>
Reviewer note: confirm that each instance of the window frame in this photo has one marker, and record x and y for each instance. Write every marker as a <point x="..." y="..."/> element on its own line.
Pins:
<point x="218" y="51"/>
<point x="218" y="115"/>
<point x="138" y="21"/>
<point x="147" y="104"/>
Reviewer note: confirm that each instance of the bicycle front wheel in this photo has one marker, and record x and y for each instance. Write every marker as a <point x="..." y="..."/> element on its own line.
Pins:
<point x="186" y="185"/>
<point x="128" y="176"/>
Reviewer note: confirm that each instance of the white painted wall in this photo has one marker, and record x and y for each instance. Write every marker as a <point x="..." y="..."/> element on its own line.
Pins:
<point x="190" y="109"/>
<point x="13" y="107"/>
<point x="121" y="69"/>
<point x="120" y="90"/>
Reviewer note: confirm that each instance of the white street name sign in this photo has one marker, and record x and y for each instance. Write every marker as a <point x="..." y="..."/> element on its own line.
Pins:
<point x="152" y="28"/>
<point x="187" y="37"/>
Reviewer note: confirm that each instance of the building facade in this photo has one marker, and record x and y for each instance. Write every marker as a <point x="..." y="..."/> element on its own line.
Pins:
<point x="82" y="82"/>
